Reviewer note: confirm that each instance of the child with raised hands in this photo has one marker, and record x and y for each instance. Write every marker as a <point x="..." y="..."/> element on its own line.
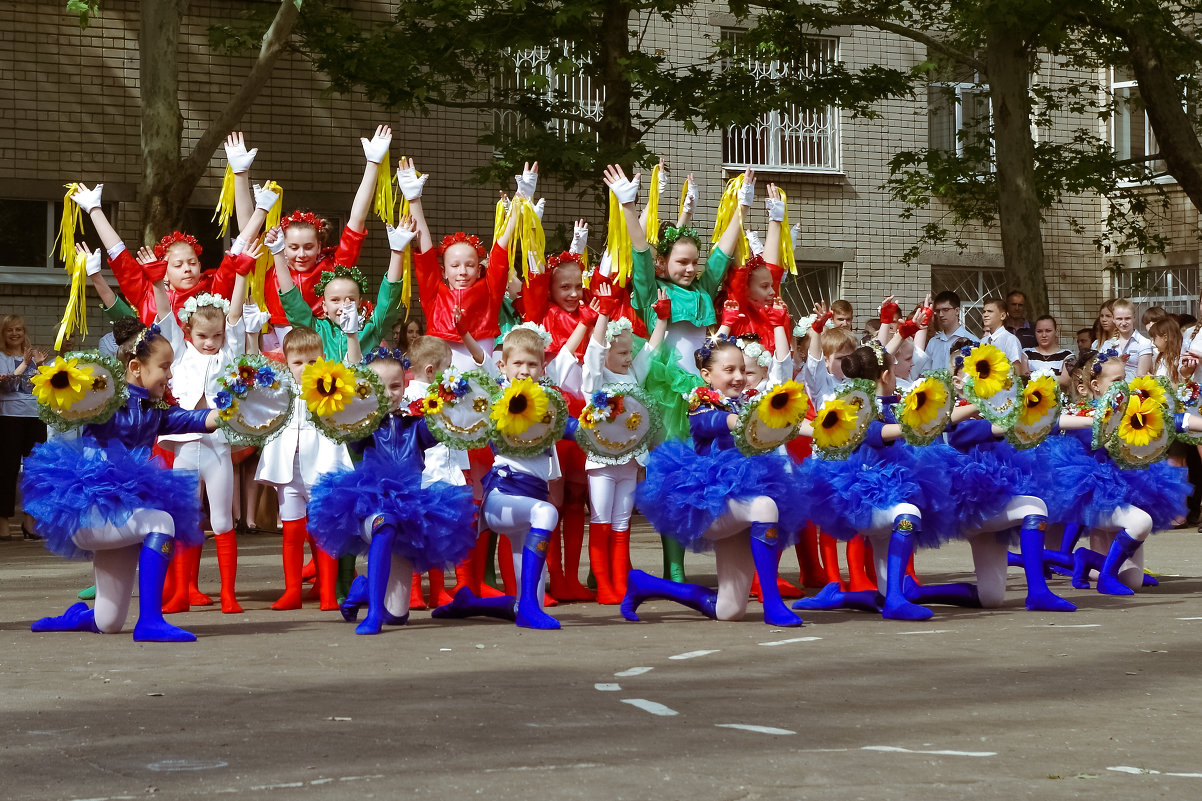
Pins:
<point x="177" y="259"/>
<point x="827" y="346"/>
<point x="755" y="285"/>
<point x="306" y="252"/>
<point x="102" y="496"/>
<point x="676" y="268"/>
<point x="344" y="287"/>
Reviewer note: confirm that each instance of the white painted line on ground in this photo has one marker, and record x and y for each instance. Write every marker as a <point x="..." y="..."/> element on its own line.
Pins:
<point x="791" y="640"/>
<point x="1150" y="772"/>
<point x="1066" y="626"/>
<point x="174" y="765"/>
<point x="281" y="786"/>
<point x="756" y="729"/>
<point x="607" y="688"/>
<point x="635" y="671"/>
<point x="928" y="631"/>
<point x="896" y="750"/>
<point x="692" y="654"/>
<point x="1189" y="618"/>
<point x="650" y="706"/>
<point x="523" y="768"/>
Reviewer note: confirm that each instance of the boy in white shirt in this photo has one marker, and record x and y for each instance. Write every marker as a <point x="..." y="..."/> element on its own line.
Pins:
<point x="993" y="318"/>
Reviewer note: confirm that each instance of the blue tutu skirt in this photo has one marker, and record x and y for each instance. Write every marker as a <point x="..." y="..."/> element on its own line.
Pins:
<point x="847" y="492"/>
<point x="1088" y="488"/>
<point x="965" y="489"/>
<point x="434" y="524"/>
<point x="685" y="492"/>
<point x="70" y="484"/>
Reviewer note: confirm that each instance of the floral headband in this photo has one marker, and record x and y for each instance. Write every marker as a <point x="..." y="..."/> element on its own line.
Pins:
<point x="175" y="237"/>
<point x="340" y="271"/>
<point x="563" y="258"/>
<point x="146" y="338"/>
<point x="879" y="351"/>
<point x="706" y="350"/>
<point x="754" y="262"/>
<point x="1102" y="358"/>
<point x="537" y="329"/>
<point x="964" y="351"/>
<point x="387" y="354"/>
<point x="804" y="326"/>
<point x="459" y="237"/>
<point x="754" y="350"/>
<point x="304" y="218"/>
<point x="671" y="235"/>
<point x="196" y="302"/>
<point x="615" y="328"/>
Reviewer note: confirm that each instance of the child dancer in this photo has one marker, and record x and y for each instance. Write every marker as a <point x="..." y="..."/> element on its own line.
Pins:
<point x="708" y="495"/>
<point x="755" y="286"/>
<point x="101" y="495"/>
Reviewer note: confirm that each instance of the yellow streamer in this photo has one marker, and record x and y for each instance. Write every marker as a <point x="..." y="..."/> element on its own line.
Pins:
<point x="532" y="240"/>
<point x="728" y="207"/>
<point x="225" y="201"/>
<point x="653" y="208"/>
<point x="406" y="265"/>
<point x="787" y="258"/>
<point x="258" y="276"/>
<point x="70" y="222"/>
<point x="75" y="316"/>
<point x="384" y="204"/>
<point x="617" y="242"/>
<point x="684" y="191"/>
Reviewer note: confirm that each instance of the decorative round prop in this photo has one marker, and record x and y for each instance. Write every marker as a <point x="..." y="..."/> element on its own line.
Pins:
<point x="527" y="418"/>
<point x="990" y="386"/>
<point x="255" y="400"/>
<point x="457" y="407"/>
<point x="1105" y="421"/>
<point x="1039" y="407"/>
<point x="842" y="421"/>
<point x="1143" y="428"/>
<point x="618" y="424"/>
<point x="926" y="408"/>
<point x="79" y="388"/>
<point x="771" y="419"/>
<point x="345" y="403"/>
<point x="1189" y="399"/>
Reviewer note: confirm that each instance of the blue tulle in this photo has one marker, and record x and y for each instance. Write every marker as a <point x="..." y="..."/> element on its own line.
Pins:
<point x="1089" y="487"/>
<point x="434" y="523"/>
<point x="69" y="484"/>
<point x="684" y="492"/>
<point x="966" y="489"/>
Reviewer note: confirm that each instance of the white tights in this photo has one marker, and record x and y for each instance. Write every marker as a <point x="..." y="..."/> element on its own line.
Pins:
<point x="115" y="562"/>
<point x="210" y="456"/>
<point x="878" y="535"/>
<point x="735" y="565"/>
<point x="294" y="498"/>
<point x="989" y="553"/>
<point x="611" y="493"/>
<point x="400" y="576"/>
<point x="514" y="516"/>
<point x="1138" y="525"/>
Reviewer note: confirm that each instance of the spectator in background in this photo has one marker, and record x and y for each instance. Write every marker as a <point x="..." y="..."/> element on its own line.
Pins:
<point x="842" y="314"/>
<point x="1016" y="319"/>
<point x="948" y="329"/>
<point x="993" y="318"/>
<point x="1084" y="338"/>
<point x="20" y="427"/>
<point x="1153" y="315"/>
<point x="1047" y="355"/>
<point x="404" y="332"/>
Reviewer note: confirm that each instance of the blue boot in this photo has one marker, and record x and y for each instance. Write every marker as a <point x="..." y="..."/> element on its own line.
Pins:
<point x="467" y="604"/>
<point x="1150" y="580"/>
<point x="152" y="571"/>
<point x="1085" y="560"/>
<point x="78" y="617"/>
<point x="765" y="552"/>
<point x="379" y="566"/>
<point x="530" y="614"/>
<point x="356" y="597"/>
<point x="901" y="548"/>
<point x="1068" y="539"/>
<point x="832" y="597"/>
<point x="642" y="586"/>
<point x="1122" y="549"/>
<point x="1039" y="597"/>
<point x="959" y="593"/>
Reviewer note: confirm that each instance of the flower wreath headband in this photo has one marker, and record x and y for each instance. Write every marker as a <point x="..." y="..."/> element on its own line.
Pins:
<point x="537" y="329"/>
<point x="879" y="351"/>
<point x="754" y="350"/>
<point x="193" y="304"/>
<point x="387" y="354"/>
<point x="1102" y="358"/>
<point x="564" y="258"/>
<point x="303" y="218"/>
<point x="461" y="238"/>
<point x="719" y="339"/>
<point x="175" y="238"/>
<point x="146" y="338"/>
<point x="615" y="328"/>
<point x="340" y="271"/>
<point x="671" y="235"/>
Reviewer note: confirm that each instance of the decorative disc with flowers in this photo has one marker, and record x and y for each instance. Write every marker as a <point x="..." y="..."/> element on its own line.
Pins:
<point x="446" y="390"/>
<point x="834" y="425"/>
<point x="1189" y="396"/>
<point x="61" y="384"/>
<point x="459" y="237"/>
<point x="1156" y="388"/>
<point x="988" y="368"/>
<point x="522" y="404"/>
<point x="340" y="271"/>
<point x="175" y="237"/>
<point x="603" y="407"/>
<point x="192" y="304"/>
<point x="672" y="234"/>
<point x="79" y="388"/>
<point x="1039" y="397"/>
<point x="238" y="378"/>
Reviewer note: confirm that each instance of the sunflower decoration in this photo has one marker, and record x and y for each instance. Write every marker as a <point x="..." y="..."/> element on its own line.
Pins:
<point x="783" y="406"/>
<point x="61" y="384"/>
<point x="926" y="408"/>
<point x="1142" y="423"/>
<point x="1147" y="386"/>
<point x="522" y="404"/>
<point x="327" y="387"/>
<point x="1039" y="397"/>
<point x="988" y="369"/>
<point x="835" y="425"/>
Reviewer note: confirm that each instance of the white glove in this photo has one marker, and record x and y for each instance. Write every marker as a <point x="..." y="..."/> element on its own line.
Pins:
<point x="89" y="200"/>
<point x="579" y="241"/>
<point x="376" y="148"/>
<point x="527" y="182"/>
<point x="265" y="198"/>
<point x="276" y="246"/>
<point x="239" y="157"/>
<point x="746" y="194"/>
<point x="776" y="209"/>
<point x="250" y="310"/>
<point x="237" y="246"/>
<point x="348" y="319"/>
<point x="757" y="246"/>
<point x="663" y="181"/>
<point x="399" y="238"/>
<point x="606" y="266"/>
<point x="690" y="197"/>
<point x="93" y="265"/>
<point x="539" y="208"/>
<point x="626" y="190"/>
<point x="411" y="185"/>
<point x="795" y="235"/>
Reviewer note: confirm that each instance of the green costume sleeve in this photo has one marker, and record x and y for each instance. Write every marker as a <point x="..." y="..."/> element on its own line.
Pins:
<point x="668" y="385"/>
<point x="380" y="323"/>
<point x="118" y="310"/>
<point x="715" y="270"/>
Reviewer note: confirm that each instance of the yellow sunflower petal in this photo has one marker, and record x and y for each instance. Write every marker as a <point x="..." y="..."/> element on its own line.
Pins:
<point x="923" y="402"/>
<point x="521" y="405"/>
<point x="1038" y="397"/>
<point x="327" y="387"/>
<point x="989" y="368"/>
<point x="783" y="406"/>
<point x="834" y="424"/>
<point x="60" y="384"/>
<point x="1142" y="423"/>
<point x="1149" y="387"/>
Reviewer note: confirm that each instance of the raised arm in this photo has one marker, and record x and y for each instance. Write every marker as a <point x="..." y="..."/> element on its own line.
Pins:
<point x="663" y="314"/>
<point x="690" y="202"/>
<point x="526" y="183"/>
<point x="823" y="313"/>
<point x="412" y="185"/>
<point x="88" y="201"/>
<point x="730" y="237"/>
<point x="274" y="239"/>
<point x="627" y="192"/>
<point x="663" y="187"/>
<point x="374" y="150"/>
<point x="776" y="216"/>
<point x="240" y="159"/>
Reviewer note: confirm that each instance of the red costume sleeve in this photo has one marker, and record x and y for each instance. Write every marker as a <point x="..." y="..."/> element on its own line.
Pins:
<point x="134" y="285"/>
<point x="535" y="296"/>
<point x="349" y="246"/>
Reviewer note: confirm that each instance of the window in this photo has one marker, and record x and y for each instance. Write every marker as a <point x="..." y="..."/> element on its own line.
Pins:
<point x="1173" y="288"/>
<point x="27" y="240"/>
<point x="974" y="285"/>
<point x="814" y="282"/>
<point x="544" y="68"/>
<point x="796" y="139"/>
<point x="958" y="115"/>
<point x="1130" y="133"/>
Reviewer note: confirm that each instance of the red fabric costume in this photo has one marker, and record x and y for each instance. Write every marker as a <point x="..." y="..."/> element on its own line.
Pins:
<point x="756" y="322"/>
<point x="481" y="302"/>
<point x="346" y="254"/>
<point x="139" y="290"/>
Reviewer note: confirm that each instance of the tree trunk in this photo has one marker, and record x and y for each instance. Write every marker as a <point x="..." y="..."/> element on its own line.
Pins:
<point x="615" y="130"/>
<point x="158" y="43"/>
<point x="1008" y="66"/>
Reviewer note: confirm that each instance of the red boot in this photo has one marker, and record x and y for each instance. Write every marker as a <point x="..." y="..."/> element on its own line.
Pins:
<point x="505" y="564"/>
<point x="438" y="590"/>
<point x="573" y="546"/>
<point x="620" y="567"/>
<point x="557" y="584"/>
<point x="195" y="596"/>
<point x="327" y="580"/>
<point x="480" y="559"/>
<point x="828" y="546"/>
<point x="309" y="571"/>
<point x="600" y="557"/>
<point x="857" y="549"/>
<point x="910" y="571"/>
<point x="416" y="601"/>
<point x="178" y="570"/>
<point x="812" y="574"/>
<point x="227" y="565"/>
<point x="294" y="560"/>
